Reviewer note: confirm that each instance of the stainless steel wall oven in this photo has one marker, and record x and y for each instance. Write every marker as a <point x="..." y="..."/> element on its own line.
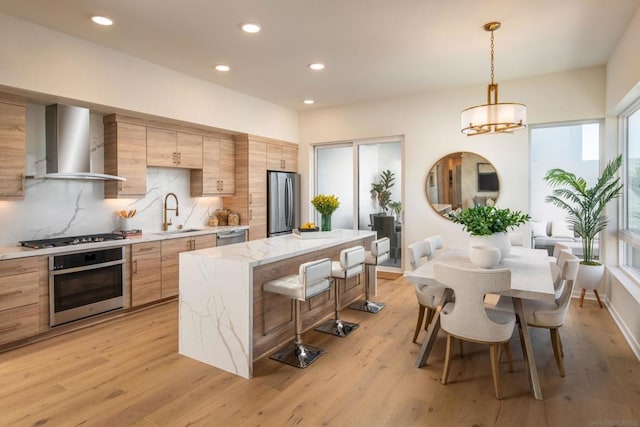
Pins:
<point x="83" y="284"/>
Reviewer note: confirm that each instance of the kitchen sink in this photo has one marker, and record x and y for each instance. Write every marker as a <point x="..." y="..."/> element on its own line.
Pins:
<point x="183" y="230"/>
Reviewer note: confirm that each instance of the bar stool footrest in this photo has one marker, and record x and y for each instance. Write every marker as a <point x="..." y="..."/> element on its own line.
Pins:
<point x="339" y="328"/>
<point x="298" y="355"/>
<point x="368" y="306"/>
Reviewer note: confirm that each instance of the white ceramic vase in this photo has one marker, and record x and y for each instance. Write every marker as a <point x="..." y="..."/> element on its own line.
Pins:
<point x="485" y="256"/>
<point x="496" y="240"/>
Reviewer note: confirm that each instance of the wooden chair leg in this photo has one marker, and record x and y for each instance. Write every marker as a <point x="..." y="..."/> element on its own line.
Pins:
<point x="598" y="297"/>
<point x="555" y="343"/>
<point x="461" y="348"/>
<point x="447" y="360"/>
<point x="494" y="350"/>
<point x="561" y="349"/>
<point x="582" y="296"/>
<point x="430" y="314"/>
<point x="419" y="324"/>
<point x="507" y="350"/>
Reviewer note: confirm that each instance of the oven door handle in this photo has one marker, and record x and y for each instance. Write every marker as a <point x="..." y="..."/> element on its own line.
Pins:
<point x="86" y="267"/>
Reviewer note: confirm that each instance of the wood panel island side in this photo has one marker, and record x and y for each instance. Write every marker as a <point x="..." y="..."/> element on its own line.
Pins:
<point x="227" y="321"/>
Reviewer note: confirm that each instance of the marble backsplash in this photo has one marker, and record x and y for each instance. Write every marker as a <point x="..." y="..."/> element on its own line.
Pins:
<point x="56" y="208"/>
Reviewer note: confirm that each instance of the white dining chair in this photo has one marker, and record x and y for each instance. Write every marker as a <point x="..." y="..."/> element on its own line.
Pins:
<point x="517" y="239"/>
<point x="428" y="296"/>
<point x="467" y="318"/>
<point x="553" y="260"/>
<point x="551" y="314"/>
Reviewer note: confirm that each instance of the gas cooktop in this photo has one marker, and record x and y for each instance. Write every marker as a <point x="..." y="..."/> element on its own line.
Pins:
<point x="70" y="241"/>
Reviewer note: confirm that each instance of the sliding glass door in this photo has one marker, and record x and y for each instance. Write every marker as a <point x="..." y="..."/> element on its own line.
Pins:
<point x="350" y="170"/>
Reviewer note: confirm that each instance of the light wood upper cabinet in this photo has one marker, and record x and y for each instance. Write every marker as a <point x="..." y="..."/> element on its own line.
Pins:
<point x="169" y="148"/>
<point x="146" y="284"/>
<point x="125" y="151"/>
<point x="12" y="146"/>
<point x="282" y="157"/>
<point x="217" y="175"/>
<point x="171" y="250"/>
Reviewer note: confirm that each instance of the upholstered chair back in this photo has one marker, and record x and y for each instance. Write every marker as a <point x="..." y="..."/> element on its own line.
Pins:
<point x="467" y="317"/>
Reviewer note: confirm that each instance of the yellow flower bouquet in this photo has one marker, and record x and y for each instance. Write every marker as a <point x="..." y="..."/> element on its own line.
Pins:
<point x="325" y="205"/>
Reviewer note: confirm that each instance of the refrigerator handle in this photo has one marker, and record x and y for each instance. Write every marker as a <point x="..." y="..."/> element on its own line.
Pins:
<point x="289" y="203"/>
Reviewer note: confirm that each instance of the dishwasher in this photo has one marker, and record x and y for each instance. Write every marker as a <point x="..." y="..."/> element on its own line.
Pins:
<point x="230" y="237"/>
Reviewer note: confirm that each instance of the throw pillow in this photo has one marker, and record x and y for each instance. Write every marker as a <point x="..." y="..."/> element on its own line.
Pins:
<point x="561" y="229"/>
<point x="539" y="228"/>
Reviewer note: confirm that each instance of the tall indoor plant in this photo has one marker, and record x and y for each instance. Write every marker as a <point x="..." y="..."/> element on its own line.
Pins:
<point x="585" y="206"/>
<point x="488" y="225"/>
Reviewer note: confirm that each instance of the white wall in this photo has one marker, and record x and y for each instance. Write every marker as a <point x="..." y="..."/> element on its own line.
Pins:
<point x="430" y="123"/>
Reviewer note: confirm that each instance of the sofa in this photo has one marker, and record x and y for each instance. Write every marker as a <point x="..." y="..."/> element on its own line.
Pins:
<point x="545" y="234"/>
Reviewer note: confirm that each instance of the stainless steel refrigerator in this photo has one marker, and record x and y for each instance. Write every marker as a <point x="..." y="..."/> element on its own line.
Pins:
<point x="283" y="202"/>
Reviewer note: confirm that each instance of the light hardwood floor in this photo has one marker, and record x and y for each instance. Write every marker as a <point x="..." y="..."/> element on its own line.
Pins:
<point x="128" y="372"/>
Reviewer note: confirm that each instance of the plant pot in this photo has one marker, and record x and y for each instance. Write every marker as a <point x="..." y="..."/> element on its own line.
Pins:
<point x="589" y="276"/>
<point x="496" y="240"/>
<point x="485" y="256"/>
<point x="325" y="222"/>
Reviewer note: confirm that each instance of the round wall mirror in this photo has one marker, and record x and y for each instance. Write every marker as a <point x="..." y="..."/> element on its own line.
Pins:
<point x="461" y="180"/>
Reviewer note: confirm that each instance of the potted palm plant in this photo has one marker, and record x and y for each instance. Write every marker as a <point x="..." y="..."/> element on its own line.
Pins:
<point x="488" y="225"/>
<point x="585" y="207"/>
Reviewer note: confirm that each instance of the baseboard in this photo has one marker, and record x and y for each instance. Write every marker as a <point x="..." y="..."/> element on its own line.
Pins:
<point x="628" y="336"/>
<point x="389" y="275"/>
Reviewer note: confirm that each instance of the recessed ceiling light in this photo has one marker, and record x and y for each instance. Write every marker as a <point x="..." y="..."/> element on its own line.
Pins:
<point x="222" y="67"/>
<point x="101" y="20"/>
<point x="250" y="28"/>
<point x="316" y="66"/>
<point x="309" y="101"/>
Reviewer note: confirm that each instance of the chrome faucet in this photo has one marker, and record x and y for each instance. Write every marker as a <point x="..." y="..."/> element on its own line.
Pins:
<point x="166" y="224"/>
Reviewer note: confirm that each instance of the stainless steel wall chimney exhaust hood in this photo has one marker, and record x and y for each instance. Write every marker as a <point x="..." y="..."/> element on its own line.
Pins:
<point x="68" y="144"/>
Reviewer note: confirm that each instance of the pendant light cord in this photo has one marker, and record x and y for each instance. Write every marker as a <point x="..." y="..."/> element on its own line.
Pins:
<point x="492" y="49"/>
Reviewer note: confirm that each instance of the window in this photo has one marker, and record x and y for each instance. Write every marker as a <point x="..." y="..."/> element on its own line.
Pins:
<point x="631" y="234"/>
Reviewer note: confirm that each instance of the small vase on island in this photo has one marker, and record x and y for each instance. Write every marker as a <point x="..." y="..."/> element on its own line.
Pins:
<point x="325" y="222"/>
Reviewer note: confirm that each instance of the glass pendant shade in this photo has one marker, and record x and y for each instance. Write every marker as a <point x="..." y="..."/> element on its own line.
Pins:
<point x="494" y="118"/>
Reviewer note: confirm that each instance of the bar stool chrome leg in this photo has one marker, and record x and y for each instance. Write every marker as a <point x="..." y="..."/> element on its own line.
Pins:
<point x="378" y="254"/>
<point x="297" y="353"/>
<point x="366" y="304"/>
<point x="336" y="326"/>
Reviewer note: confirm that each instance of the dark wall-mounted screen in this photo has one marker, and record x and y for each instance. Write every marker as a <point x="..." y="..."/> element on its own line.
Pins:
<point x="487" y="178"/>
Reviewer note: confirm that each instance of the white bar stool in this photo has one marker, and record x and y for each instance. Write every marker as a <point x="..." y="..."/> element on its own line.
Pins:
<point x="378" y="254"/>
<point x="351" y="264"/>
<point x="313" y="278"/>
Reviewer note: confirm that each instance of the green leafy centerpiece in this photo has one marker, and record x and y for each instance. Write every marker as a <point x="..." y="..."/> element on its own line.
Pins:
<point x="325" y="205"/>
<point x="488" y="225"/>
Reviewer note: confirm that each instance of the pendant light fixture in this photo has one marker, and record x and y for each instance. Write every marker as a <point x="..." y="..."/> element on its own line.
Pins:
<point x="493" y="117"/>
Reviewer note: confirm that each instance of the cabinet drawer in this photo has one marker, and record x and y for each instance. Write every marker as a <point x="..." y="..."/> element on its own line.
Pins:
<point x="18" y="290"/>
<point x="18" y="323"/>
<point x="145" y="248"/>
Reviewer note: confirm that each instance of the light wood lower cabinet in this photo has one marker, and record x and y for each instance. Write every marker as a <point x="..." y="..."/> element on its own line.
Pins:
<point x="19" y="295"/>
<point x="171" y="256"/>
<point x="145" y="273"/>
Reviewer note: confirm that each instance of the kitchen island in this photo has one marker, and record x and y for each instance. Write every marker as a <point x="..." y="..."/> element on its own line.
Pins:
<point x="225" y="318"/>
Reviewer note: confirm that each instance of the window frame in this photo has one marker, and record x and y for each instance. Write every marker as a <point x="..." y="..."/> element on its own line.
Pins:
<point x="627" y="239"/>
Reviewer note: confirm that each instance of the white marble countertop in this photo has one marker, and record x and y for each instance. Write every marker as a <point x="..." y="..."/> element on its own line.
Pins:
<point x="13" y="252"/>
<point x="263" y="251"/>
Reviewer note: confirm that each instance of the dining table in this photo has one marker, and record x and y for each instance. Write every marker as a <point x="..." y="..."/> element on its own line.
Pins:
<point x="530" y="279"/>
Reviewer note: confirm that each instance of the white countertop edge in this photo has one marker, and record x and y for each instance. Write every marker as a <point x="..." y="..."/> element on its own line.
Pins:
<point x="14" y="252"/>
<point x="273" y="249"/>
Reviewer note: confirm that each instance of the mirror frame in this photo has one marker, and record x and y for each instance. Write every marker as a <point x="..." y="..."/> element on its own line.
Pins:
<point x="481" y="173"/>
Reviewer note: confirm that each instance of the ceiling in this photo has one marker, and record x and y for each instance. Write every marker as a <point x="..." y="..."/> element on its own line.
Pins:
<point x="372" y="48"/>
